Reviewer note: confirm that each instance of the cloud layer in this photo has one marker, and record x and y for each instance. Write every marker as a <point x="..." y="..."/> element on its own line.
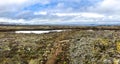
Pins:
<point x="60" y="11"/>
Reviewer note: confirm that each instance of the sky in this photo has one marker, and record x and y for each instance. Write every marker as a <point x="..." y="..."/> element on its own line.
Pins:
<point x="60" y="11"/>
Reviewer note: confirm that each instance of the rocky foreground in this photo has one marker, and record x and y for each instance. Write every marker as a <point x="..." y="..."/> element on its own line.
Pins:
<point x="67" y="47"/>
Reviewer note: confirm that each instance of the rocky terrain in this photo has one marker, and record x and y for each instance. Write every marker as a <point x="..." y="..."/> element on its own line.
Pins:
<point x="95" y="47"/>
<point x="67" y="47"/>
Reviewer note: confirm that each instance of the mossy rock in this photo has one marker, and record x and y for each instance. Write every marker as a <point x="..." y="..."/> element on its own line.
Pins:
<point x="118" y="46"/>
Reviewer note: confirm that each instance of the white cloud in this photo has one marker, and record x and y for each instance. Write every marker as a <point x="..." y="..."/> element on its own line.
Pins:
<point x="21" y="2"/>
<point x="40" y="13"/>
<point x="7" y="6"/>
<point x="18" y="5"/>
<point x="107" y="7"/>
<point x="11" y="2"/>
<point x="82" y="14"/>
<point x="66" y="19"/>
<point x="6" y="20"/>
<point x="33" y="21"/>
<point x="23" y="13"/>
<point x="105" y="11"/>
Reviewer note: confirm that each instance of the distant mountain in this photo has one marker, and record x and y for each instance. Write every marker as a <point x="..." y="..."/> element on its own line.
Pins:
<point x="67" y="24"/>
<point x="9" y="23"/>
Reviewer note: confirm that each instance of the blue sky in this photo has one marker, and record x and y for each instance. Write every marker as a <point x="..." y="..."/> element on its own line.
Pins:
<point x="60" y="11"/>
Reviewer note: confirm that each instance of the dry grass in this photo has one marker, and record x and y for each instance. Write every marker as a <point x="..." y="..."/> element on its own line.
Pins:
<point x="69" y="47"/>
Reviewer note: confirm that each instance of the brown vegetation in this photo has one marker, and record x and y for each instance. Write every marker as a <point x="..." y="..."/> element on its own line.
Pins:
<point x="67" y="47"/>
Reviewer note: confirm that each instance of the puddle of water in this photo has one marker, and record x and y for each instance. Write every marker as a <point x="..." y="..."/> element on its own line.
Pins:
<point x="39" y="32"/>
